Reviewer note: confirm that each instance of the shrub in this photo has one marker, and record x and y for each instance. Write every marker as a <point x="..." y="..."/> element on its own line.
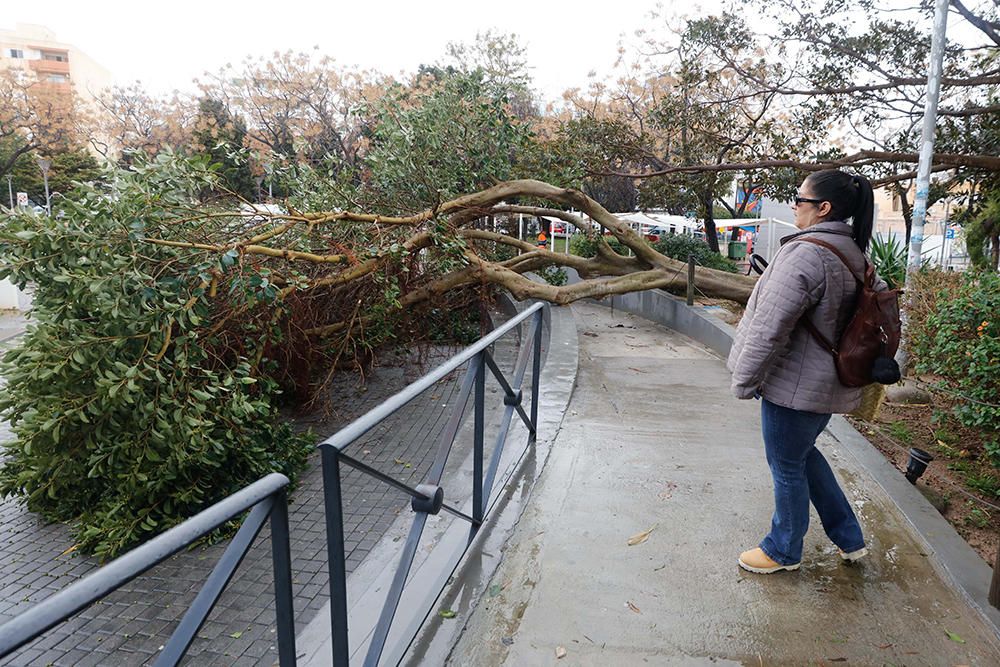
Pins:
<point x="584" y="246"/>
<point x="961" y="343"/>
<point x="127" y="418"/>
<point x="680" y="246"/>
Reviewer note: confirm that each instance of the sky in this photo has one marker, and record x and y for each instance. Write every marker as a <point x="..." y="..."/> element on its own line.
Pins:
<point x="167" y="44"/>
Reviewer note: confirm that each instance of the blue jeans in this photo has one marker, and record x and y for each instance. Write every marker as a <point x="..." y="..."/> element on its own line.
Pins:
<point x="800" y="475"/>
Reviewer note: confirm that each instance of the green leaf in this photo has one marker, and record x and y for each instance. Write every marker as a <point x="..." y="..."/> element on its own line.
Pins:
<point x="447" y="613"/>
<point x="955" y="638"/>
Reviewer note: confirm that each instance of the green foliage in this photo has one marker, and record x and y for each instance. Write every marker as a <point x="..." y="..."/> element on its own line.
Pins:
<point x="129" y="417"/>
<point x="220" y="136"/>
<point x="458" y="136"/>
<point x="961" y="343"/>
<point x="554" y="275"/>
<point x="889" y="257"/>
<point x="584" y="246"/>
<point x="68" y="167"/>
<point x="901" y="431"/>
<point x="679" y="246"/>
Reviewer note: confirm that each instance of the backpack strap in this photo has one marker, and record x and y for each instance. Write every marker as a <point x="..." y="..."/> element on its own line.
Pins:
<point x="806" y="322"/>
<point x="836" y="251"/>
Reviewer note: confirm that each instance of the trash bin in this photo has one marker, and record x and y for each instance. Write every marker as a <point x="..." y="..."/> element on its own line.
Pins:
<point x="737" y="249"/>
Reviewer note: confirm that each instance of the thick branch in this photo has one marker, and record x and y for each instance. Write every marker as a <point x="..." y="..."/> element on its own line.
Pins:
<point x="943" y="160"/>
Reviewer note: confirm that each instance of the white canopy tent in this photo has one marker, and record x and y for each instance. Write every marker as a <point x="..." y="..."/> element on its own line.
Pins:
<point x="769" y="233"/>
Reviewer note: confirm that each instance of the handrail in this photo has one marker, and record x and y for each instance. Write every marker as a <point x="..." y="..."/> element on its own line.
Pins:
<point x="428" y="497"/>
<point x="366" y="422"/>
<point x="266" y="496"/>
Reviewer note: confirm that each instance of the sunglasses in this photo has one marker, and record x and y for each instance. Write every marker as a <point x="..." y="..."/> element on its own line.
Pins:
<point x="808" y="200"/>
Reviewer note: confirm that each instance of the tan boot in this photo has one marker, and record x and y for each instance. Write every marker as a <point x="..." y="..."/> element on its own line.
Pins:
<point x="757" y="561"/>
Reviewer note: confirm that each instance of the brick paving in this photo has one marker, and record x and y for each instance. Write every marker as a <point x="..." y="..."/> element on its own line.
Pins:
<point x="129" y="626"/>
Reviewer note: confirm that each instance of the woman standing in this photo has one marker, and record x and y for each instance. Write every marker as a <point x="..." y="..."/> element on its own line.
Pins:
<point x="776" y="359"/>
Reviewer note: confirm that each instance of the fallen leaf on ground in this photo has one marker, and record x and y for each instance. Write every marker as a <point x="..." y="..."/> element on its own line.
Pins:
<point x="640" y="538"/>
<point x="590" y="333"/>
<point x="236" y="635"/>
<point x="955" y="638"/>
<point x="494" y="590"/>
<point x="667" y="492"/>
<point x="403" y="463"/>
<point x="446" y="613"/>
<point x="885" y="646"/>
<point x="633" y="607"/>
<point x="637" y="370"/>
<point x="70" y="550"/>
<point x="560" y="652"/>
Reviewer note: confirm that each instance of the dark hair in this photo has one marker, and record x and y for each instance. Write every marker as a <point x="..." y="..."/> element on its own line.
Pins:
<point x="850" y="196"/>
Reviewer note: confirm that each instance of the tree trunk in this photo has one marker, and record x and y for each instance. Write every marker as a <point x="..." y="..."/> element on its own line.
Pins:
<point x="711" y="235"/>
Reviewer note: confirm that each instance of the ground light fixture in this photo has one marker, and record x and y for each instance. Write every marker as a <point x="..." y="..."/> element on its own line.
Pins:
<point x="917" y="464"/>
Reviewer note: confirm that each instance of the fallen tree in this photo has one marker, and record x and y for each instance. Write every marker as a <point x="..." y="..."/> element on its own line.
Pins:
<point x="170" y="321"/>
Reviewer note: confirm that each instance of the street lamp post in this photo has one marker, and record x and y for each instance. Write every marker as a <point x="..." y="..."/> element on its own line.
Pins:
<point x="44" y="164"/>
<point x="10" y="190"/>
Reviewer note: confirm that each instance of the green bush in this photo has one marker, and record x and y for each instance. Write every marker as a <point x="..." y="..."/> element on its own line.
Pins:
<point x="128" y="419"/>
<point x="583" y="246"/>
<point x="961" y="343"/>
<point x="679" y="246"/>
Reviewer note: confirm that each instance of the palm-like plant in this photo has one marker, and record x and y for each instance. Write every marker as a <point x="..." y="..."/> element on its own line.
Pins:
<point x="889" y="257"/>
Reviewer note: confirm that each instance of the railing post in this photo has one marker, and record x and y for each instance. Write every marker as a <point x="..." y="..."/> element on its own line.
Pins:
<point x="335" y="554"/>
<point x="536" y="369"/>
<point x="690" y="283"/>
<point x="281" y="556"/>
<point x="478" y="504"/>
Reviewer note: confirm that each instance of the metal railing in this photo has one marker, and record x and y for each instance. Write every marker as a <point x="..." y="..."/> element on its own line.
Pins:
<point x="428" y="498"/>
<point x="265" y="498"/>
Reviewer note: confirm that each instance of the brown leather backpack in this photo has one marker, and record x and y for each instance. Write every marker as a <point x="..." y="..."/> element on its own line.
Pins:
<point x="865" y="352"/>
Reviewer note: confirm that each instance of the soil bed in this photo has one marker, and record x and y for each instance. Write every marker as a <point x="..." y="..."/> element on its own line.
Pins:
<point x="960" y="482"/>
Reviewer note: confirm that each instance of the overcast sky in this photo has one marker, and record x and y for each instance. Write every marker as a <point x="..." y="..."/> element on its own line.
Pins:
<point x="167" y="44"/>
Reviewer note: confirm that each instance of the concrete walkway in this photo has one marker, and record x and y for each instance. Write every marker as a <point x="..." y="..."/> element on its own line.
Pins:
<point x="654" y="441"/>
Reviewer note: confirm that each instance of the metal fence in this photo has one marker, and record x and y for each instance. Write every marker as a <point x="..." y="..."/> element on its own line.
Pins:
<point x="428" y="498"/>
<point x="265" y="498"/>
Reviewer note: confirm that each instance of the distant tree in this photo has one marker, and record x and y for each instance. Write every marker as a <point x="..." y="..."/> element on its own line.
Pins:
<point x="297" y="106"/>
<point x="222" y="136"/>
<point x="132" y="120"/>
<point x="76" y="164"/>
<point x="37" y="116"/>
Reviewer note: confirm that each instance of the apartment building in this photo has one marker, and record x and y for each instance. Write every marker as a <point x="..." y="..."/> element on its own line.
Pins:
<point x="34" y="48"/>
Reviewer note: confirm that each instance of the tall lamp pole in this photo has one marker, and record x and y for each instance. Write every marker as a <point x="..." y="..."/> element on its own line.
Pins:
<point x="44" y="164"/>
<point x="926" y="153"/>
<point x="10" y="190"/>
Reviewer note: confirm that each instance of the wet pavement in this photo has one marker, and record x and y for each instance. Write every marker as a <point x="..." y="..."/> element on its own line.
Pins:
<point x="653" y="441"/>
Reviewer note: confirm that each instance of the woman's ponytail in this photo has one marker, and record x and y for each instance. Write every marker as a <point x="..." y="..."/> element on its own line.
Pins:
<point x="864" y="213"/>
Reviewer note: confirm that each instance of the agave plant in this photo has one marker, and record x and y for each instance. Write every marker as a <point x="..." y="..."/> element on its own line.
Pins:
<point x="889" y="257"/>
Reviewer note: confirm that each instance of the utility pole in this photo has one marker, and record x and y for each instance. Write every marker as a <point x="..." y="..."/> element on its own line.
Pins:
<point x="936" y="64"/>
<point x="10" y="190"/>
<point x="45" y="165"/>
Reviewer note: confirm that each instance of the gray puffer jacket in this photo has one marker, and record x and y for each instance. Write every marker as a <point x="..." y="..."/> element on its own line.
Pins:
<point x="773" y="353"/>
